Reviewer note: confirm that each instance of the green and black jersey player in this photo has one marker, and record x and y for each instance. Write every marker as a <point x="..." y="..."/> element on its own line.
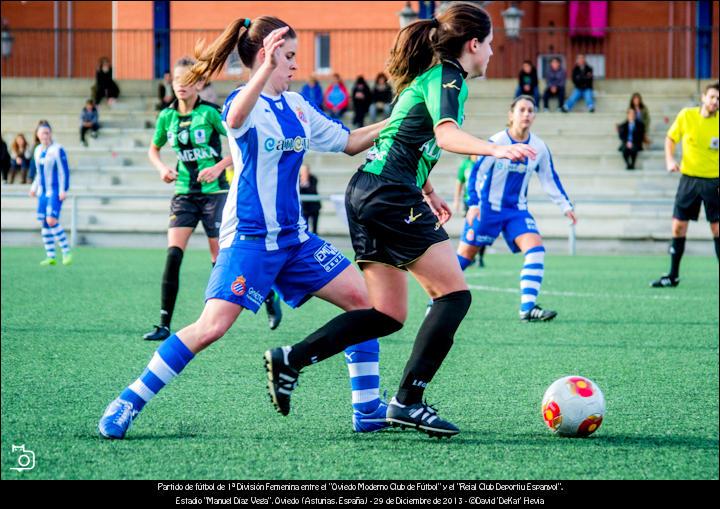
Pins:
<point x="396" y="216"/>
<point x="193" y="128"/>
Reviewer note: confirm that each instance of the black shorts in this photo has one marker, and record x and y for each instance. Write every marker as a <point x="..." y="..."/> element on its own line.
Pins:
<point x="186" y="210"/>
<point x="390" y="223"/>
<point x="693" y="190"/>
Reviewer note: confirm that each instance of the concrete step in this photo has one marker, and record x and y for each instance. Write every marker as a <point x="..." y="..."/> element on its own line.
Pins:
<point x="64" y="87"/>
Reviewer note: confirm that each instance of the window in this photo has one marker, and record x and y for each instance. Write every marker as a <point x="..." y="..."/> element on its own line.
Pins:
<point x="597" y="62"/>
<point x="322" y="53"/>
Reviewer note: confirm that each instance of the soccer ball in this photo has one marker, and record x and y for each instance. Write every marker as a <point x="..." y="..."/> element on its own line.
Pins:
<point x="573" y="406"/>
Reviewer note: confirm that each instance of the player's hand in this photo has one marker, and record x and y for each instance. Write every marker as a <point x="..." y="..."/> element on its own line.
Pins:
<point x="271" y="44"/>
<point x="472" y="214"/>
<point x="31" y="193"/>
<point x="168" y="174"/>
<point x="210" y="174"/>
<point x="570" y="214"/>
<point x="439" y="207"/>
<point x="672" y="166"/>
<point x="62" y="195"/>
<point x="515" y="152"/>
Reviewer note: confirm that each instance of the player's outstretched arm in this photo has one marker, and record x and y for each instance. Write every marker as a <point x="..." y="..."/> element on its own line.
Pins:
<point x="451" y="138"/>
<point x="245" y="101"/>
<point x="362" y="138"/>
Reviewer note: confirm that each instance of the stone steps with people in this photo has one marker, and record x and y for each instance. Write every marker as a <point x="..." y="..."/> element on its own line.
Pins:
<point x="584" y="148"/>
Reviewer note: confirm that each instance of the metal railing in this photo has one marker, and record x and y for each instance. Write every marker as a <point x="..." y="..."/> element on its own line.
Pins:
<point x="336" y="199"/>
<point x="663" y="52"/>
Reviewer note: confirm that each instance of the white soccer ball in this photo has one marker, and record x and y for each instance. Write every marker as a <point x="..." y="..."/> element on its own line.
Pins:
<point x="573" y="406"/>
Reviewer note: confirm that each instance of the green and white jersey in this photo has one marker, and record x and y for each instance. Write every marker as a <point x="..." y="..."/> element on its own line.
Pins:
<point x="195" y="138"/>
<point x="406" y="150"/>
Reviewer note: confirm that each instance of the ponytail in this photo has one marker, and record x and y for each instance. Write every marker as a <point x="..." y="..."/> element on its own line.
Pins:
<point x="412" y="54"/>
<point x="212" y="58"/>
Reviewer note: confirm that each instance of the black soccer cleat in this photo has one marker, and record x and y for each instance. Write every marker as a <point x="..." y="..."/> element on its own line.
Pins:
<point x="161" y="333"/>
<point x="274" y="310"/>
<point x="422" y="417"/>
<point x="537" y="314"/>
<point x="282" y="379"/>
<point x="666" y="282"/>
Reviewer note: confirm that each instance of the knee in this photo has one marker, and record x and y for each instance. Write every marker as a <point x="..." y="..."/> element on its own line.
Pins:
<point x="209" y="333"/>
<point x="356" y="298"/>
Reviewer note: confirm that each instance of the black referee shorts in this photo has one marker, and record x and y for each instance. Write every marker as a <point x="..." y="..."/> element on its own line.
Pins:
<point x="187" y="210"/>
<point x="390" y="223"/>
<point x="691" y="192"/>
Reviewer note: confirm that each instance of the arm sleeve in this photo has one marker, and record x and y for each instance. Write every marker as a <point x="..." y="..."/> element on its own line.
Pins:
<point x="36" y="182"/>
<point x="677" y="128"/>
<point x="63" y="170"/>
<point x="550" y="182"/>
<point x="476" y="178"/>
<point x="445" y="96"/>
<point x="326" y="135"/>
<point x="160" y="136"/>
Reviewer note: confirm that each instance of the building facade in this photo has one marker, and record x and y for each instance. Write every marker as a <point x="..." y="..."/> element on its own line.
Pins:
<point x="636" y="40"/>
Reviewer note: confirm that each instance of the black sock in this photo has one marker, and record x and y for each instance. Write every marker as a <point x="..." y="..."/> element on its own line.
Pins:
<point x="347" y="329"/>
<point x="717" y="247"/>
<point x="432" y="344"/>
<point x="677" y="248"/>
<point x="170" y="285"/>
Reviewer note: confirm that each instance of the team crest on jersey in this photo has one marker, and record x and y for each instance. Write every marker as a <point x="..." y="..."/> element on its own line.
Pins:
<point x="184" y="137"/>
<point x="301" y="115"/>
<point x="170" y="136"/>
<point x="239" y="286"/>
<point x="199" y="136"/>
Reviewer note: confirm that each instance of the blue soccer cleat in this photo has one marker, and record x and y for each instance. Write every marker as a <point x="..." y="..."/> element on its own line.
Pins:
<point x="374" y="421"/>
<point x="117" y="419"/>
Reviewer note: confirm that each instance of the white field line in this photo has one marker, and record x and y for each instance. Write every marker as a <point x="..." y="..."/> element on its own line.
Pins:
<point x="516" y="291"/>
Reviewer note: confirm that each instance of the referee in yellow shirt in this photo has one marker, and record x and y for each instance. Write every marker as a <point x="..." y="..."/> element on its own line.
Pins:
<point x="697" y="129"/>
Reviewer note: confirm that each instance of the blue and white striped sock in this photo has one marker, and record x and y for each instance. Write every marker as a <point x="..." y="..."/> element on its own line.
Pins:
<point x="363" y="362"/>
<point x="49" y="241"/>
<point x="531" y="277"/>
<point x="464" y="262"/>
<point x="61" y="238"/>
<point x="167" y="362"/>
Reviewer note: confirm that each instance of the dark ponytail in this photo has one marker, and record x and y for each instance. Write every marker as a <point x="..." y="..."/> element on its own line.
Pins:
<point x="421" y="44"/>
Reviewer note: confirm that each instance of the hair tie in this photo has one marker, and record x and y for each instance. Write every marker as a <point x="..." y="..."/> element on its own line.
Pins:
<point x="435" y="23"/>
<point x="246" y="23"/>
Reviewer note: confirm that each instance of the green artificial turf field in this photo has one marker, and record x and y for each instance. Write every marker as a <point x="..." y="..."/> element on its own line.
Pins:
<point x="72" y="340"/>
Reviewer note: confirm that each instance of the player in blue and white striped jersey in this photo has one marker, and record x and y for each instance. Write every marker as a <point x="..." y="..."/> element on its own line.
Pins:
<point x="51" y="185"/>
<point x="264" y="240"/>
<point x="498" y="203"/>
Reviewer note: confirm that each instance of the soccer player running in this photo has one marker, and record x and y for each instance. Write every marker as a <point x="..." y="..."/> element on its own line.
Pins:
<point x="193" y="128"/>
<point x="697" y="129"/>
<point x="51" y="185"/>
<point x="264" y="240"/>
<point x="498" y="203"/>
<point x="395" y="215"/>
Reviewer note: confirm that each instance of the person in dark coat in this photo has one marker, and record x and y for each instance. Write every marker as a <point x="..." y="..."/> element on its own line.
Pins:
<point x="632" y="134"/>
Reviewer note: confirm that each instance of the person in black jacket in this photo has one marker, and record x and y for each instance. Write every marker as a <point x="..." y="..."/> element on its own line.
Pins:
<point x="310" y="208"/>
<point x="105" y="86"/>
<point x="361" y="97"/>
<point x="4" y="160"/>
<point x="582" y="77"/>
<point x="631" y="133"/>
<point x="528" y="82"/>
<point x="381" y="97"/>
